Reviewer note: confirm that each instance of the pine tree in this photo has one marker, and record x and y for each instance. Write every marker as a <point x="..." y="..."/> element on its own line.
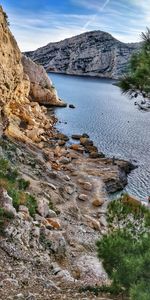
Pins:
<point x="137" y="81"/>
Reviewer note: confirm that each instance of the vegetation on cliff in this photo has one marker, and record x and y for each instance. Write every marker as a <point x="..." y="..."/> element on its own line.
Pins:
<point x="137" y="81"/>
<point x="125" y="250"/>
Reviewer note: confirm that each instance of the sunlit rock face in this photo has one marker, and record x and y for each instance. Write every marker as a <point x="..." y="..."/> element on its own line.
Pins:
<point x="93" y="53"/>
<point x="20" y="87"/>
<point x="41" y="88"/>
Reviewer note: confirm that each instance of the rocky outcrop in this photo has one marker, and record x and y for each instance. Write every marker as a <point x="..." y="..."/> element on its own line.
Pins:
<point x="94" y="53"/>
<point x="21" y="118"/>
<point x="41" y="88"/>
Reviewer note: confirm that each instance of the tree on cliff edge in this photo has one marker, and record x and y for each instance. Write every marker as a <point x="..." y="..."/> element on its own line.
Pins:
<point x="137" y="81"/>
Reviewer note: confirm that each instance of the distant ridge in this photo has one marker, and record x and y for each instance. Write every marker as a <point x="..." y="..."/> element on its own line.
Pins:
<point x="94" y="53"/>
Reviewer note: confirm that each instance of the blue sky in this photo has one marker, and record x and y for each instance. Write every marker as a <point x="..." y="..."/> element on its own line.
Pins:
<point x="38" y="22"/>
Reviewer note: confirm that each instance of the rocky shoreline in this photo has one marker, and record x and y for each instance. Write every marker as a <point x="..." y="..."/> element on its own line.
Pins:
<point x="53" y="196"/>
<point x="56" y="248"/>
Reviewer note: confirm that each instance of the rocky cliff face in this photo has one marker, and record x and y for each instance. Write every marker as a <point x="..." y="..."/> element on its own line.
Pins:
<point x="93" y="53"/>
<point x="19" y="86"/>
<point x="41" y="87"/>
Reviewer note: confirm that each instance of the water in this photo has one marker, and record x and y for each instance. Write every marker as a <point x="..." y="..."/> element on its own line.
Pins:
<point x="116" y="126"/>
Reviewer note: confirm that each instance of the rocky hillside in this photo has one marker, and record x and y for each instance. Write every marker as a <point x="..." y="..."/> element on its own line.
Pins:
<point x="93" y="53"/>
<point x="53" y="197"/>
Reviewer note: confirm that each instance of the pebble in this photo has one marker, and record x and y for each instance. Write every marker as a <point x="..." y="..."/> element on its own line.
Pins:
<point x="87" y="186"/>
<point x="83" y="197"/>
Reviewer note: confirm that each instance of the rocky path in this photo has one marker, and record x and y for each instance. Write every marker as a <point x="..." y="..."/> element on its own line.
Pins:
<point x="53" y="254"/>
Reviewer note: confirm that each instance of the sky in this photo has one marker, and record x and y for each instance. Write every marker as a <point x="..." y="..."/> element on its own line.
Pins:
<point x="35" y="23"/>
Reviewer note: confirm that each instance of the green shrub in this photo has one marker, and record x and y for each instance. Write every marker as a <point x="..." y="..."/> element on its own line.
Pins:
<point x="23" y="184"/>
<point x="6" y="18"/>
<point x="125" y="250"/>
<point x="140" y="291"/>
<point x="14" y="194"/>
<point x="3" y="166"/>
<point x="31" y="203"/>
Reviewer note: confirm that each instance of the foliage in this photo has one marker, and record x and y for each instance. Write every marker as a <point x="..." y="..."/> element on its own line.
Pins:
<point x="125" y="250"/>
<point x="6" y="18"/>
<point x="128" y="213"/>
<point x="31" y="203"/>
<point x="23" y="184"/>
<point x="3" y="166"/>
<point x="137" y="81"/>
<point x="16" y="186"/>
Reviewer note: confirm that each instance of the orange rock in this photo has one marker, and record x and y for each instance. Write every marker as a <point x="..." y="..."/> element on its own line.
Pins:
<point x="77" y="147"/>
<point x="97" y="202"/>
<point x="54" y="223"/>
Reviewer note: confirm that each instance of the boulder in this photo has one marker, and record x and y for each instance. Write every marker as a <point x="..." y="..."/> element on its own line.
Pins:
<point x="41" y="88"/>
<point x="98" y="202"/>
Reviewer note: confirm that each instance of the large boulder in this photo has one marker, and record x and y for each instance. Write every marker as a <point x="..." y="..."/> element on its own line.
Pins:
<point x="41" y="88"/>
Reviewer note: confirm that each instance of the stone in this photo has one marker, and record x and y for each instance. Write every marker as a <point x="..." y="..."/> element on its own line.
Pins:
<point x="43" y="207"/>
<point x="51" y="214"/>
<point x="85" y="135"/>
<point x="71" y="106"/>
<point x="61" y="143"/>
<point x="87" y="186"/>
<point x="96" y="155"/>
<point x="77" y="147"/>
<point x="98" y="202"/>
<point x="76" y="136"/>
<point x="103" y="221"/>
<point x="92" y="222"/>
<point x="83" y="197"/>
<point x="6" y="202"/>
<point x="85" y="141"/>
<point x="64" y="160"/>
<point x="51" y="222"/>
<point x="69" y="189"/>
<point x="24" y="209"/>
<point x="66" y="177"/>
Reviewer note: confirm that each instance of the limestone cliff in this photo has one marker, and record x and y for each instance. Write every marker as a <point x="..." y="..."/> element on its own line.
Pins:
<point x="93" y="53"/>
<point x="41" y="87"/>
<point x="22" y="119"/>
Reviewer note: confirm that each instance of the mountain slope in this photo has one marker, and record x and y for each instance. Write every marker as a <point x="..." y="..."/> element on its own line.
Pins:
<point x="94" y="53"/>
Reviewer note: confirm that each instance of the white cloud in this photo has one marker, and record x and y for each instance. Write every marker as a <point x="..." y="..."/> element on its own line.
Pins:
<point x="123" y="19"/>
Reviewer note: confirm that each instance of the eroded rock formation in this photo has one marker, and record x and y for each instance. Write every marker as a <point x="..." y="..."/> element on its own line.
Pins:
<point x="41" y="87"/>
<point x="22" y="119"/>
<point x="94" y="53"/>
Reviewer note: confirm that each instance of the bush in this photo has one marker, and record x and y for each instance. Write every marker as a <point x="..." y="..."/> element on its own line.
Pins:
<point x="3" y="166"/>
<point x="23" y="184"/>
<point x="125" y="251"/>
<point x="31" y="203"/>
<point x="6" y="19"/>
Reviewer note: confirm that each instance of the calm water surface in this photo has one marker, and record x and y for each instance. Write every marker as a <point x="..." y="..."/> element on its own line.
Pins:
<point x="111" y="120"/>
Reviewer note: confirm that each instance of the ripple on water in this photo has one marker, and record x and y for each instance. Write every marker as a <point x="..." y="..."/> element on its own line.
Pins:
<point x="112" y="121"/>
